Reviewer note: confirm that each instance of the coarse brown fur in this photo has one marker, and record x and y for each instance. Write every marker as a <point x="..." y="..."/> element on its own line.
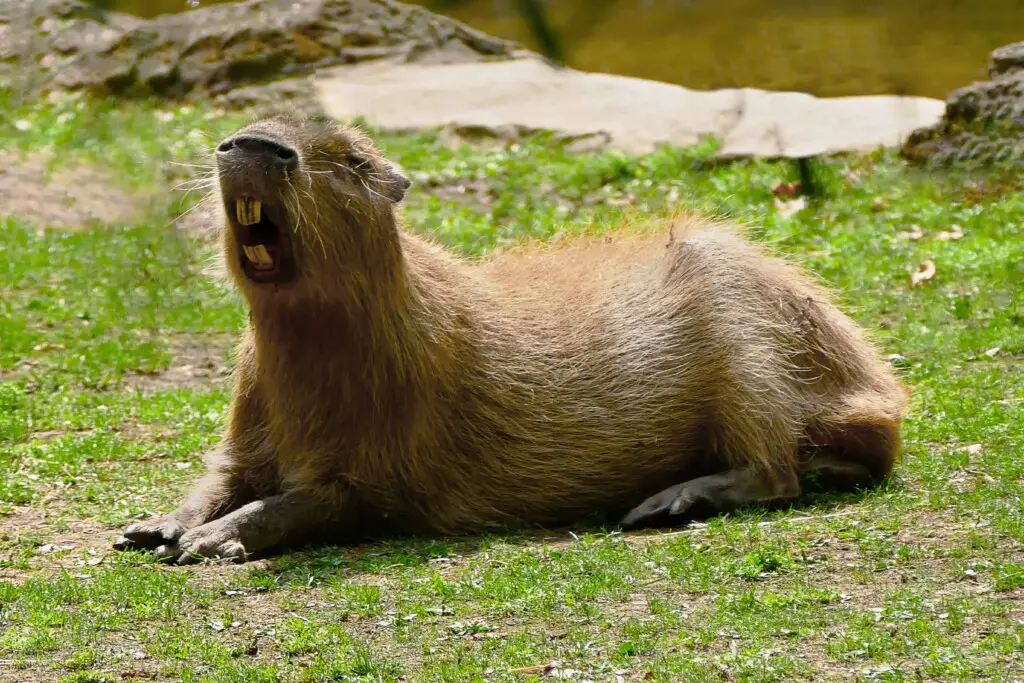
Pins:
<point x="391" y="386"/>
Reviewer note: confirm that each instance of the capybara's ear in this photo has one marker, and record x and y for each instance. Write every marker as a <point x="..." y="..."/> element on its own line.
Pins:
<point x="395" y="183"/>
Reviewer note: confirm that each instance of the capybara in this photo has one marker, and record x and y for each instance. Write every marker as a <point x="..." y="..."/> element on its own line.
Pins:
<point x="387" y="386"/>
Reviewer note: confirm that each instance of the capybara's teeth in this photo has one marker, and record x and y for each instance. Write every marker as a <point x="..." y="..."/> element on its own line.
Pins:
<point x="258" y="255"/>
<point x="247" y="210"/>
<point x="263" y="256"/>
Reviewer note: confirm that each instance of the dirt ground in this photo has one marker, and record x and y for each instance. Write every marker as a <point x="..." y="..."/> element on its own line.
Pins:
<point x="70" y="197"/>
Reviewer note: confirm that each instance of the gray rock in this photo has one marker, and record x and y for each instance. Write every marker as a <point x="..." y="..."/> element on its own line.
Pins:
<point x="630" y="114"/>
<point x="983" y="123"/>
<point x="1006" y="59"/>
<point x="68" y="45"/>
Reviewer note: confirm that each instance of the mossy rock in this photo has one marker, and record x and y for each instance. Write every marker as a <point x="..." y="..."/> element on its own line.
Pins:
<point x="984" y="122"/>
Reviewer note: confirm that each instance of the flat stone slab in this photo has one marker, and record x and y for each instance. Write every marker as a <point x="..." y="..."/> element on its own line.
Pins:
<point x="635" y="115"/>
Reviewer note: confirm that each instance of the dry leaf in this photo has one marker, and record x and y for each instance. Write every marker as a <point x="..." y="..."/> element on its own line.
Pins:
<point x="915" y="233"/>
<point x="790" y="207"/>
<point x="539" y="669"/>
<point x="552" y="669"/>
<point x="924" y="273"/>
<point x="786" y="189"/>
<point x="992" y="353"/>
<point x="879" y="204"/>
<point x="955" y="232"/>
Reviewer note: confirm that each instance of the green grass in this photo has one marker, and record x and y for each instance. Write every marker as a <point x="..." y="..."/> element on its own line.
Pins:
<point x="922" y="579"/>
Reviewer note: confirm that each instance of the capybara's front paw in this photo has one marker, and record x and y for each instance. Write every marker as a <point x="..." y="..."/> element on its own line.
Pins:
<point x="150" y="533"/>
<point x="214" y="541"/>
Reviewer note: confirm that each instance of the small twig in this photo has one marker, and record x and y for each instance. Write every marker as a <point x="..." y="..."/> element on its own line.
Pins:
<point x="648" y="584"/>
<point x="701" y="526"/>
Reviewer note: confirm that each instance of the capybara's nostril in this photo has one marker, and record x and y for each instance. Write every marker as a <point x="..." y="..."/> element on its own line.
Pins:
<point x="226" y="146"/>
<point x="272" y="150"/>
<point x="286" y="154"/>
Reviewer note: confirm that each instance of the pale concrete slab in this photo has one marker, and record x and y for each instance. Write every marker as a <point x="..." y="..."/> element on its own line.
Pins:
<point x="637" y="115"/>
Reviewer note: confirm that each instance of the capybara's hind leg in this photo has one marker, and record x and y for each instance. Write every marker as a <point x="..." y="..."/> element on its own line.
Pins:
<point x="714" y="494"/>
<point x="836" y="474"/>
<point x="857" y="453"/>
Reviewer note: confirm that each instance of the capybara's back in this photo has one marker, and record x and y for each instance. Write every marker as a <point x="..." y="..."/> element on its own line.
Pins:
<point x="597" y="373"/>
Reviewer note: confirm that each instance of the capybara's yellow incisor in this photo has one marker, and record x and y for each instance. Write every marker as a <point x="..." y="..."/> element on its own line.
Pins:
<point x="387" y="386"/>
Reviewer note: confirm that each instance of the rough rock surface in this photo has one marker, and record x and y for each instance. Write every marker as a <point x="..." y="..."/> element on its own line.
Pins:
<point x="213" y="50"/>
<point x="983" y="122"/>
<point x="629" y="114"/>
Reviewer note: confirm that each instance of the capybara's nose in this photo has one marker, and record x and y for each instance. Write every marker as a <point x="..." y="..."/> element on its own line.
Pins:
<point x="270" y="151"/>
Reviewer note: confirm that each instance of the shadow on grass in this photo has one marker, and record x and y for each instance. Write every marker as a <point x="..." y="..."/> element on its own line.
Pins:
<point x="313" y="563"/>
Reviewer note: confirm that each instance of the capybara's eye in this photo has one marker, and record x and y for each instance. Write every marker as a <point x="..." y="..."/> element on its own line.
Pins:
<point x="356" y="162"/>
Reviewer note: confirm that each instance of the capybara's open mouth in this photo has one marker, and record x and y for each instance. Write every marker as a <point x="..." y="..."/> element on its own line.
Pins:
<point x="264" y="247"/>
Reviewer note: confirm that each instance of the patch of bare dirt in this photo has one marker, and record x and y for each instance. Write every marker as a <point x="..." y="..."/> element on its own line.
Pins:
<point x="134" y="430"/>
<point x="195" y="362"/>
<point x="54" y="434"/>
<point x="56" y="542"/>
<point x="475" y="194"/>
<point x="72" y="197"/>
<point x="26" y="670"/>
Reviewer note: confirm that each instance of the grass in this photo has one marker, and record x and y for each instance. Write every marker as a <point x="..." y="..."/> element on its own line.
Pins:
<point x="922" y="579"/>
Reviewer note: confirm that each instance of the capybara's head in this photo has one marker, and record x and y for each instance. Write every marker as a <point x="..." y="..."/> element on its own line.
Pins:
<point x="305" y="201"/>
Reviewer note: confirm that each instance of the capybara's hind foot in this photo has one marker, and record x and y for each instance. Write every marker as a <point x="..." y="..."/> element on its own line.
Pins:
<point x="713" y="494"/>
<point x="831" y="473"/>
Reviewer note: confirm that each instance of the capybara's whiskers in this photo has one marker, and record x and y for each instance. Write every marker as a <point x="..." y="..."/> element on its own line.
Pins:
<point x="371" y="190"/>
<point x="204" y="202"/>
<point x="206" y="167"/>
<point x="316" y="221"/>
<point x="196" y="183"/>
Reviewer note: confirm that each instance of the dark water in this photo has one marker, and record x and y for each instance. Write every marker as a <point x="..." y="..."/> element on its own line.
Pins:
<point x="827" y="47"/>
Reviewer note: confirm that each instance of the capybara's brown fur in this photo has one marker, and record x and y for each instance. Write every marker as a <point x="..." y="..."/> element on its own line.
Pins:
<point x="386" y="385"/>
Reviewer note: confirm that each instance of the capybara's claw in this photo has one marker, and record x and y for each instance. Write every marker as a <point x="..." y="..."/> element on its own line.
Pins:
<point x="123" y="543"/>
<point x="149" y="534"/>
<point x="167" y="552"/>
